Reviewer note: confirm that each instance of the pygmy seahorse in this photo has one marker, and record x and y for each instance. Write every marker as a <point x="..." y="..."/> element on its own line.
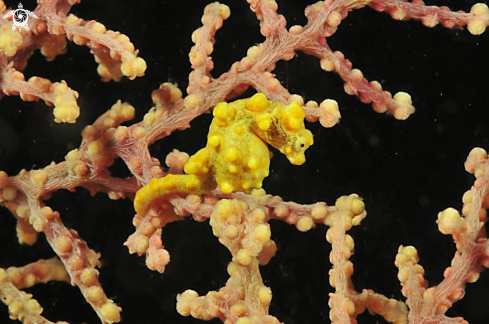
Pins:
<point x="236" y="156"/>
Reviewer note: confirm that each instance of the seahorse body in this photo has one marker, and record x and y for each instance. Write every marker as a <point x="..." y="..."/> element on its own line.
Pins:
<point x="236" y="156"/>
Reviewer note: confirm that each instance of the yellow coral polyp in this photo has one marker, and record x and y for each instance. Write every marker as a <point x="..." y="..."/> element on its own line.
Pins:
<point x="133" y="67"/>
<point x="66" y="109"/>
<point x="9" y="40"/>
<point x="236" y="156"/>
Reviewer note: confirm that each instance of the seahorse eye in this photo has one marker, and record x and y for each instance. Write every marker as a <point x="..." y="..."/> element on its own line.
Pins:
<point x="299" y="146"/>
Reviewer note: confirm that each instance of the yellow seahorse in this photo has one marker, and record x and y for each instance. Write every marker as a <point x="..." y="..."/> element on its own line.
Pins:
<point x="236" y="156"/>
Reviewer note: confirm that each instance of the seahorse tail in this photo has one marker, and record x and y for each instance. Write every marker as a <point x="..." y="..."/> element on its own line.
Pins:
<point x="173" y="183"/>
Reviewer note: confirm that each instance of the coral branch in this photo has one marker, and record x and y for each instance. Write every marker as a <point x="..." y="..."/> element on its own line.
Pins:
<point x="66" y="109"/>
<point x="21" y="305"/>
<point x="222" y="182"/>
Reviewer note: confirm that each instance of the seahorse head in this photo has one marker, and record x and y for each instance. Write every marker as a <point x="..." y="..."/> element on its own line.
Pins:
<point x="281" y="126"/>
<point x="296" y="145"/>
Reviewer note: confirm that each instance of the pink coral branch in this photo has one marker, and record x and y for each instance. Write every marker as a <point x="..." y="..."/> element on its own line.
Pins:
<point x="430" y="304"/>
<point x="431" y="16"/>
<point x="12" y="82"/>
<point x="46" y="34"/>
<point x="239" y="220"/>
<point x="21" y="305"/>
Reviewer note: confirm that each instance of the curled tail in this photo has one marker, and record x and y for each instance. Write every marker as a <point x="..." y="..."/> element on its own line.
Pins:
<point x="171" y="184"/>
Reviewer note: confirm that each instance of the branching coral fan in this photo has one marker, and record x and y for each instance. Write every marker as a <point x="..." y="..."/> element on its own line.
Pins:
<point x="397" y="168"/>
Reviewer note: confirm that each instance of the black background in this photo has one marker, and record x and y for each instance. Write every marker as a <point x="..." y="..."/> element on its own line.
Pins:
<point x="406" y="171"/>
